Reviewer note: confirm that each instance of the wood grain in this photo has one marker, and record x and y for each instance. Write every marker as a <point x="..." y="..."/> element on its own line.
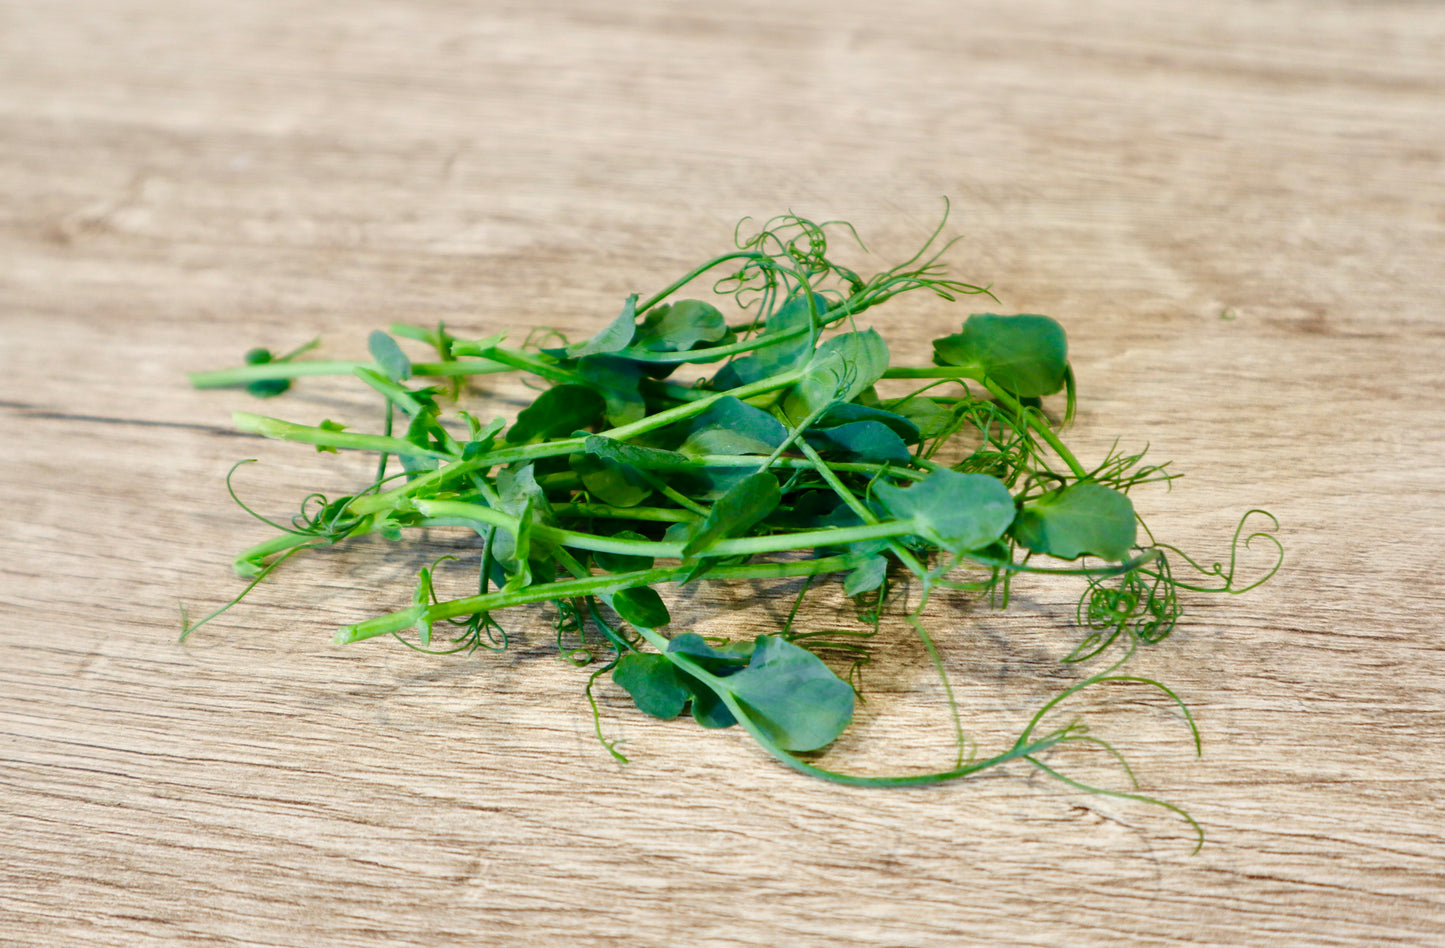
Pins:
<point x="1237" y="210"/>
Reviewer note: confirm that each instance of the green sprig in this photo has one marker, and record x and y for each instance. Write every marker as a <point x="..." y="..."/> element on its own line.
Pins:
<point x="785" y="461"/>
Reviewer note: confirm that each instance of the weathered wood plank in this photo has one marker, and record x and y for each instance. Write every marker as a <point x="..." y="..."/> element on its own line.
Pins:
<point x="1237" y="210"/>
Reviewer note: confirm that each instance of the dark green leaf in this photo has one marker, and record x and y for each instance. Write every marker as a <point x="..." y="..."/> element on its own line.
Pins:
<point x="268" y="388"/>
<point x="616" y="337"/>
<point x="1082" y="519"/>
<point x="864" y="441"/>
<point x="641" y="606"/>
<point x="707" y="708"/>
<point x="264" y="388"/>
<point x="849" y="412"/>
<point x="655" y="684"/>
<point x="557" y="412"/>
<point x="389" y="356"/>
<point x="843" y="516"/>
<point x="744" y="370"/>
<point x="1026" y="354"/>
<point x="959" y="512"/>
<point x="723" y="660"/>
<point x="730" y="426"/>
<point x="679" y="326"/>
<point x="708" y="483"/>
<point x="615" y="379"/>
<point x="735" y="512"/>
<point x="636" y="455"/>
<point x="611" y="482"/>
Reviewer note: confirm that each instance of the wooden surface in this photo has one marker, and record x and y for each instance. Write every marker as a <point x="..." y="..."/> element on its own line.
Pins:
<point x="1237" y="210"/>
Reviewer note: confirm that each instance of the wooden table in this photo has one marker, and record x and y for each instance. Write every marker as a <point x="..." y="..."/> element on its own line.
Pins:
<point x="1237" y="210"/>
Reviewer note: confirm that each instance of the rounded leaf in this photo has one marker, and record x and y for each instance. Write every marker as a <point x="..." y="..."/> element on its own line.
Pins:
<point x="959" y="512"/>
<point x="1026" y="354"/>
<point x="1080" y="520"/>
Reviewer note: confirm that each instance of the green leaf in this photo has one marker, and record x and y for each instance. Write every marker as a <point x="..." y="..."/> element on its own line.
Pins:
<point x="264" y="388"/>
<point x="328" y="425"/>
<point x="654" y="682"/>
<point x="930" y="418"/>
<point x="641" y="606"/>
<point x="520" y="495"/>
<point x="677" y="327"/>
<point x="616" y="380"/>
<point x="614" y="338"/>
<point x="1080" y="520"/>
<point x="517" y="486"/>
<point x="863" y="440"/>
<point x="708" y="483"/>
<point x="791" y="696"/>
<point x="707" y="708"/>
<point x="769" y="360"/>
<point x="730" y="426"/>
<point x="636" y="455"/>
<point x="735" y="512"/>
<point x="959" y="512"/>
<point x="557" y="412"/>
<point x="389" y="356"/>
<point x="849" y="412"/>
<point x="840" y="370"/>
<point x="724" y="660"/>
<point x="611" y="482"/>
<point x="424" y="431"/>
<point x="1026" y="354"/>
<point x="867" y="576"/>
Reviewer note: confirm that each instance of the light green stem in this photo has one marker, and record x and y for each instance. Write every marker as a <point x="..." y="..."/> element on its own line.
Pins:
<point x="1039" y="425"/>
<point x="590" y="586"/>
<point x="269" y="371"/>
<point x="321" y="437"/>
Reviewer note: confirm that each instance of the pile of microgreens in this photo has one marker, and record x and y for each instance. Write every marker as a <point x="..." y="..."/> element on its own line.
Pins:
<point x="785" y="462"/>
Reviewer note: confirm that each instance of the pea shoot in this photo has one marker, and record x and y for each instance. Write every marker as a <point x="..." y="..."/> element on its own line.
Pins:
<point x="801" y="454"/>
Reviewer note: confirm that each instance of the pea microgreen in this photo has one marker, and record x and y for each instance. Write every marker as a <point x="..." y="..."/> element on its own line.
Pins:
<point x="787" y="460"/>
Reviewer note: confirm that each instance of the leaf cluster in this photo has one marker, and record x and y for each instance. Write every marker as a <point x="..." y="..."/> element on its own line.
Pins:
<point x="798" y="450"/>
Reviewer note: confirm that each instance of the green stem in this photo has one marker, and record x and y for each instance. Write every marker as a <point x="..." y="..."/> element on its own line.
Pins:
<point x="935" y="372"/>
<point x="1003" y="396"/>
<point x="696" y="272"/>
<point x="397" y="395"/>
<point x="672" y="494"/>
<point x="321" y="437"/>
<point x="269" y="371"/>
<point x="517" y="359"/>
<point x="1039" y="425"/>
<point x="741" y="546"/>
<point x="653" y="514"/>
<point x="388" y="499"/>
<point x="741" y="713"/>
<point x="906" y="557"/>
<point x="590" y="586"/>
<point x="252" y="561"/>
